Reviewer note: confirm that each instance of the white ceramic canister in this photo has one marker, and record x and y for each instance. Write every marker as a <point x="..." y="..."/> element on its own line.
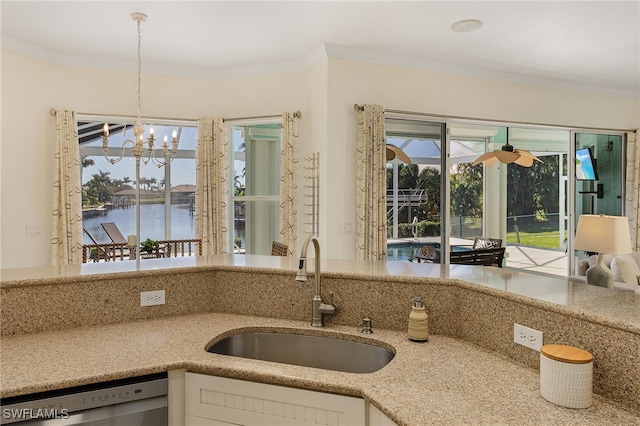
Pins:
<point x="566" y="375"/>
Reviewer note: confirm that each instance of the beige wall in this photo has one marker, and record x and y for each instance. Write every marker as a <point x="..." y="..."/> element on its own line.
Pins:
<point x="325" y="94"/>
<point x="419" y="91"/>
<point x="31" y="87"/>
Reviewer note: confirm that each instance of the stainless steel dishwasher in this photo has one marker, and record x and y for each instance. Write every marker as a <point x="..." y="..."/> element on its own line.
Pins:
<point x="140" y="401"/>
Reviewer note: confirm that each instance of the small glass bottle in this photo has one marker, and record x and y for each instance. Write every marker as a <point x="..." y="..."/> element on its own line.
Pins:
<point x="418" y="321"/>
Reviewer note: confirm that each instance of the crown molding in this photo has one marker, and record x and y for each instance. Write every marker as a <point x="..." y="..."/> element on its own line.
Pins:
<point x="315" y="55"/>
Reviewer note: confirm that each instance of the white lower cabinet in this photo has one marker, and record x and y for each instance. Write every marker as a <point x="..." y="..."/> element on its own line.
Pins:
<point x="211" y="400"/>
<point x="378" y="418"/>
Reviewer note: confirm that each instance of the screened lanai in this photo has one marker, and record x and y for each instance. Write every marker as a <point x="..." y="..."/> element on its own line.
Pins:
<point x="480" y="198"/>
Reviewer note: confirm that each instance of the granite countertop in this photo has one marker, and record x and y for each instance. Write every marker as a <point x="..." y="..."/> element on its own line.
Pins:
<point x="618" y="309"/>
<point x="443" y="381"/>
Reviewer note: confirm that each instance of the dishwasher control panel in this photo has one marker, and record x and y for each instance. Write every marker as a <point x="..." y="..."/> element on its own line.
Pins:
<point x="64" y="403"/>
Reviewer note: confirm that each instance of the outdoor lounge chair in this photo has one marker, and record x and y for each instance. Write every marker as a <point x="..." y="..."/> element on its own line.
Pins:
<point x="106" y="251"/>
<point x="114" y="233"/>
<point x="116" y="236"/>
<point x="96" y="253"/>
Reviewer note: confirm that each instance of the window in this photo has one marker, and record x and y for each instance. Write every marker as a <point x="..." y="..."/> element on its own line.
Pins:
<point x="109" y="193"/>
<point x="415" y="192"/>
<point x="256" y="186"/>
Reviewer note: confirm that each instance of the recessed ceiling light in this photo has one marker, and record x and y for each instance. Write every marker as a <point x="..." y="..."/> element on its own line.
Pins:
<point x="466" y="25"/>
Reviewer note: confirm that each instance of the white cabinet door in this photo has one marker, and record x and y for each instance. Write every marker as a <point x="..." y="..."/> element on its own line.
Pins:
<point x="201" y="421"/>
<point x="240" y="402"/>
<point x="378" y="418"/>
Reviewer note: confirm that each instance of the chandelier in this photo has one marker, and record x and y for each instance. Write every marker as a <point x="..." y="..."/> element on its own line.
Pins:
<point x="507" y="155"/>
<point x="142" y="150"/>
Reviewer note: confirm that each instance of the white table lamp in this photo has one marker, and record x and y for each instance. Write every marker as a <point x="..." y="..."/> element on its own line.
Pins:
<point x="602" y="234"/>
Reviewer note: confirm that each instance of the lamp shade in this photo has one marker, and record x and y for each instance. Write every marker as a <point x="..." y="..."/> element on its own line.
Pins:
<point x="603" y="234"/>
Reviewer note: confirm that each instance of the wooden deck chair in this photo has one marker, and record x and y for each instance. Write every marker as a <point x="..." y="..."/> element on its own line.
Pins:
<point x="279" y="249"/>
<point x="114" y="233"/>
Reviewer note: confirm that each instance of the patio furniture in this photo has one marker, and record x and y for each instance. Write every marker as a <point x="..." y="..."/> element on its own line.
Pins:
<point x="484" y="243"/>
<point x="106" y="251"/>
<point x="483" y="257"/>
<point x="426" y="254"/>
<point x="279" y="249"/>
<point x="114" y="233"/>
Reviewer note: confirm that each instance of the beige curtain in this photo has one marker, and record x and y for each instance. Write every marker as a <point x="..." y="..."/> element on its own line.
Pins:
<point x="66" y="216"/>
<point x="632" y="188"/>
<point x="213" y="176"/>
<point x="288" y="182"/>
<point x="371" y="185"/>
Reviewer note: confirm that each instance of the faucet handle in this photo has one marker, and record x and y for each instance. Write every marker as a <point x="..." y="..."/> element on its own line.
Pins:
<point x="333" y="303"/>
<point x="366" y="326"/>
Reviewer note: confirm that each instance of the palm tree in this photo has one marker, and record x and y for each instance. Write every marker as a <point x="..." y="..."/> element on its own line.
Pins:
<point x="86" y="162"/>
<point x="151" y="182"/>
<point x="101" y="183"/>
<point x="144" y="182"/>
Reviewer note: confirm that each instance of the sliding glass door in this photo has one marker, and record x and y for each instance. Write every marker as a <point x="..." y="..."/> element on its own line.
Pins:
<point x="414" y="191"/>
<point x="526" y="207"/>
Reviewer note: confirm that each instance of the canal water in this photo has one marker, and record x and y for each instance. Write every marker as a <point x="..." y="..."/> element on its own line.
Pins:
<point x="151" y="223"/>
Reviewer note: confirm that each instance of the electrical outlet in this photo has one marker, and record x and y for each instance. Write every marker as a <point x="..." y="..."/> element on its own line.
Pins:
<point x="528" y="337"/>
<point x="150" y="298"/>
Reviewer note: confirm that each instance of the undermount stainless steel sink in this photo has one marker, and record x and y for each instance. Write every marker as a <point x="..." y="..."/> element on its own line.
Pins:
<point x="310" y="351"/>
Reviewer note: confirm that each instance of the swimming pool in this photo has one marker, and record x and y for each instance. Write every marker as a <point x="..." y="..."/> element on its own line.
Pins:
<point x="400" y="251"/>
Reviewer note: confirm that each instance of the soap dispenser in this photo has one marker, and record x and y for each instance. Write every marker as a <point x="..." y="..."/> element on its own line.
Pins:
<point x="418" y="321"/>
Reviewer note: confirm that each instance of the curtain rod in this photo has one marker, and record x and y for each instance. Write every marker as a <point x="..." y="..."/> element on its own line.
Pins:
<point x="296" y="114"/>
<point x="52" y="111"/>
<point x="357" y="107"/>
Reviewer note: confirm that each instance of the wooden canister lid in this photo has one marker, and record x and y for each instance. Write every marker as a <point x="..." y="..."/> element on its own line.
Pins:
<point x="567" y="354"/>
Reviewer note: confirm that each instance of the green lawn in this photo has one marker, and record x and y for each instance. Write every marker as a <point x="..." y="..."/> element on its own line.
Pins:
<point x="548" y="239"/>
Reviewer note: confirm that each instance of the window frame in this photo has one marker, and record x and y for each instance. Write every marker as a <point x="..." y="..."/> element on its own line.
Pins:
<point x="90" y="122"/>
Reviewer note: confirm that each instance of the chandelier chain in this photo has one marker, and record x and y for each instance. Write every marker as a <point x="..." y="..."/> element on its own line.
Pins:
<point x="143" y="151"/>
<point x="139" y="68"/>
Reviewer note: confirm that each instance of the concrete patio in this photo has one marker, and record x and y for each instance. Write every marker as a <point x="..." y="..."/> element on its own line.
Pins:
<point x="547" y="261"/>
<point x="534" y="259"/>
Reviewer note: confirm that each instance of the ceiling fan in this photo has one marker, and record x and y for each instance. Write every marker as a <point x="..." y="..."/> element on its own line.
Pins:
<point x="507" y="155"/>
<point x="393" y="152"/>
